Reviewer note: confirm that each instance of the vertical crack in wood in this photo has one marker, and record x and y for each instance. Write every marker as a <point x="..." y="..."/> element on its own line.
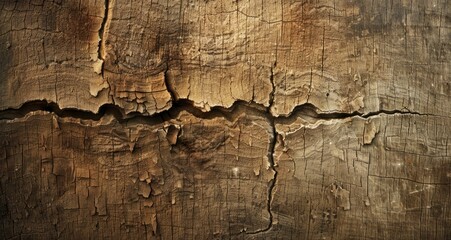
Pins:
<point x="272" y="165"/>
<point x="101" y="50"/>
<point x="272" y="145"/>
<point x="271" y="149"/>
<point x="169" y="87"/>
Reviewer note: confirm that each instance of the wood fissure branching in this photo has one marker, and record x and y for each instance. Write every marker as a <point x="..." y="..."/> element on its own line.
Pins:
<point x="307" y="111"/>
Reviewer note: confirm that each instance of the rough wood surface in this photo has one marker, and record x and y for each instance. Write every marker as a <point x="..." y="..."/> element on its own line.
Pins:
<point x="281" y="119"/>
<point x="382" y="177"/>
<point x="184" y="178"/>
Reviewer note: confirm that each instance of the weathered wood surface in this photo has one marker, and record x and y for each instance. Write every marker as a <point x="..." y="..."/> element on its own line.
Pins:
<point x="184" y="178"/>
<point x="225" y="119"/>
<point x="384" y="177"/>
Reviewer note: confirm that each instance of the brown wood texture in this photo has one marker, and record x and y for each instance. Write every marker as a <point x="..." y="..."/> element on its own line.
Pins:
<point x="240" y="119"/>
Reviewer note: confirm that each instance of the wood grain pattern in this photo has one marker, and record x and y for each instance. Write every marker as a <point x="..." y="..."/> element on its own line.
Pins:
<point x="209" y="119"/>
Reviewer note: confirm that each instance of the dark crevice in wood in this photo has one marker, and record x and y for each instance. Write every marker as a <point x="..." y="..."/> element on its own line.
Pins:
<point x="271" y="151"/>
<point x="311" y="113"/>
<point x="305" y="111"/>
<point x="119" y="114"/>
<point x="102" y="30"/>
<point x="169" y="87"/>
